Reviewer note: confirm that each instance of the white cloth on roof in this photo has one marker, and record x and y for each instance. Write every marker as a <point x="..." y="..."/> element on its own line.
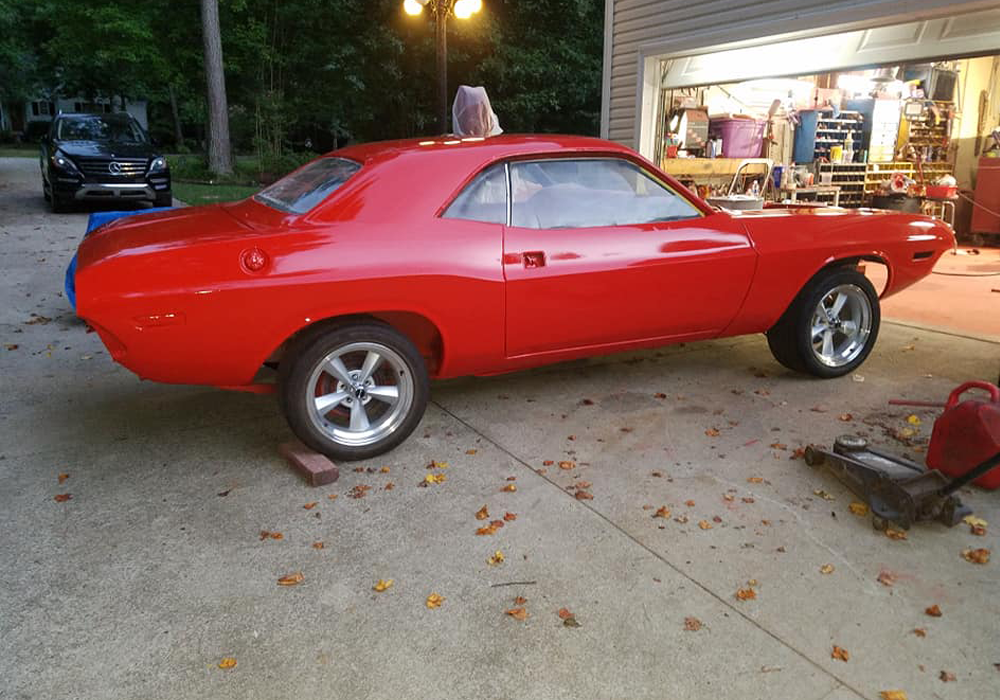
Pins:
<point x="472" y="115"/>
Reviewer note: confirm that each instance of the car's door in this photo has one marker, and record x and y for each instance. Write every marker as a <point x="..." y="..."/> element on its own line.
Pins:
<point x="600" y="251"/>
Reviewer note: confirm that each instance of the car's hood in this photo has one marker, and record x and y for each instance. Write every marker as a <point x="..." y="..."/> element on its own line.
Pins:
<point x="160" y="231"/>
<point x="105" y="149"/>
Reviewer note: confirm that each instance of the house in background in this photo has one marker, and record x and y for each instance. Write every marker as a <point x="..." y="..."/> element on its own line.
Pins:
<point x="29" y="119"/>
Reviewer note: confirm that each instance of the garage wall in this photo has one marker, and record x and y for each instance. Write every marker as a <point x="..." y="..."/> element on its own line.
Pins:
<point x="638" y="30"/>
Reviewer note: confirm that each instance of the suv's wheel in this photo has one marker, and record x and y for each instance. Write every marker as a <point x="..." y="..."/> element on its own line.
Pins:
<point x="353" y="392"/>
<point x="164" y="199"/>
<point x="58" y="204"/>
<point x="831" y="327"/>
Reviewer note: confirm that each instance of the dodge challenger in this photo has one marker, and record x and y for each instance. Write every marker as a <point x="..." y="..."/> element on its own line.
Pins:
<point x="372" y="269"/>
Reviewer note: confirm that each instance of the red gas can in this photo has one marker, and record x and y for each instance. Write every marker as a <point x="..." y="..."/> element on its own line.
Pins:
<point x="967" y="434"/>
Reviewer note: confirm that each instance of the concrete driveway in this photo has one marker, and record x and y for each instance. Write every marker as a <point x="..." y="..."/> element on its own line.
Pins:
<point x="155" y="570"/>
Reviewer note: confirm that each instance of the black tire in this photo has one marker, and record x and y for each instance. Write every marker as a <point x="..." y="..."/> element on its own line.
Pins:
<point x="164" y="199"/>
<point x="57" y="204"/>
<point x="790" y="339"/>
<point x="302" y="379"/>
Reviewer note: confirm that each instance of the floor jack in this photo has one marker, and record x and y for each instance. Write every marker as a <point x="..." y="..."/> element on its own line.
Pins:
<point x="964" y="447"/>
<point x="897" y="490"/>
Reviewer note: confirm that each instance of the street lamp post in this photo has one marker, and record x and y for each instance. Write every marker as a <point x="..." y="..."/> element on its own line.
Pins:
<point x="461" y="9"/>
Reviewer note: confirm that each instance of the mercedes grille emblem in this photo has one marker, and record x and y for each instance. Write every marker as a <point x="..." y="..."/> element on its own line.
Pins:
<point x="115" y="168"/>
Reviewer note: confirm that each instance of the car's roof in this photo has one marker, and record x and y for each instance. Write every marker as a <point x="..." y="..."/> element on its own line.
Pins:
<point x="493" y="147"/>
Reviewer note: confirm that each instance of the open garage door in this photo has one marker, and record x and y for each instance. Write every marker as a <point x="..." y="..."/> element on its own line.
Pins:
<point x="965" y="35"/>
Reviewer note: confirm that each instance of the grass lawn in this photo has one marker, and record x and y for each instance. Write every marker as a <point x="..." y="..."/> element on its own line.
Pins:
<point x="195" y="194"/>
<point x="25" y="151"/>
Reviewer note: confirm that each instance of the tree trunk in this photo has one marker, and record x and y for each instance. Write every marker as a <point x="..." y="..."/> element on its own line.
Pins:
<point x="220" y="157"/>
<point x="178" y="134"/>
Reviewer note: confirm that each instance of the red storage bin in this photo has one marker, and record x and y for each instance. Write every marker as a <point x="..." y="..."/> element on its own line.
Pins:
<point x="741" y="138"/>
<point x="967" y="434"/>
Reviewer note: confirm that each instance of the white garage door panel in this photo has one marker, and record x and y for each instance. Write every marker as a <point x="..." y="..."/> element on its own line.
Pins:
<point x="978" y="32"/>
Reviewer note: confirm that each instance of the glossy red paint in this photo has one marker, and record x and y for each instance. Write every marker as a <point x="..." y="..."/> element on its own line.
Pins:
<point x="206" y="295"/>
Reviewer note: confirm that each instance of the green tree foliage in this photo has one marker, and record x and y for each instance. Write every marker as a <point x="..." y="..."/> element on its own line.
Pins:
<point x="323" y="71"/>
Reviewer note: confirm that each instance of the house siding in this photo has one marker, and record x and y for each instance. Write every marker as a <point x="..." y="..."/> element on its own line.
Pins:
<point x="638" y="29"/>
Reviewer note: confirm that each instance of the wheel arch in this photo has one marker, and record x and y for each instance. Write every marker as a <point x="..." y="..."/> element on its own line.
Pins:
<point x="419" y="328"/>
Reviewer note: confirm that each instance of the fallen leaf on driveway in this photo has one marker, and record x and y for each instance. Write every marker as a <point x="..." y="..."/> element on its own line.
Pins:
<point x="437" y="465"/>
<point x="704" y="525"/>
<point x="518" y="613"/>
<point x="824" y="495"/>
<point x="659" y="395"/>
<point x="11" y="346"/>
<point x="779" y="446"/>
<point x="382" y="585"/>
<point x="946" y="676"/>
<point x="291" y="579"/>
<point x="482" y="513"/>
<point x="228" y="662"/>
<point x="840" y="654"/>
<point x="582" y="495"/>
<point x="845" y="417"/>
<point x="520" y="601"/>
<point x="267" y="534"/>
<point x="434" y="601"/>
<point x="662" y="512"/>
<point x="571" y="622"/>
<point x="487" y="530"/>
<point x="913" y="419"/>
<point x="746" y="594"/>
<point x="332" y="496"/>
<point x="692" y="624"/>
<point x="858" y="508"/>
<point x="891" y="694"/>
<point x="933" y="611"/>
<point x="564" y="614"/>
<point x="435" y="478"/>
<point x="510" y="517"/>
<point x="689" y="503"/>
<point x="755" y="479"/>
<point x="976" y="556"/>
<point x="894" y="534"/>
<point x="826" y="569"/>
<point x="548" y="463"/>
<point x="886" y="578"/>
<point x="385" y="470"/>
<point x="920" y="632"/>
<point x="567" y="465"/>
<point x="63" y="497"/>
<point x="36" y="319"/>
<point x="728" y="497"/>
<point x="310" y="506"/>
<point x="496" y="558"/>
<point x="712" y="432"/>
<point x="359" y="491"/>
<point x="471" y="452"/>
<point x="63" y="477"/>
<point x="510" y="488"/>
<point x="977" y="526"/>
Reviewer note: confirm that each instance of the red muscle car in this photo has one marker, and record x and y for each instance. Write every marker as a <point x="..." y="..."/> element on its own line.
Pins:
<point x="376" y="267"/>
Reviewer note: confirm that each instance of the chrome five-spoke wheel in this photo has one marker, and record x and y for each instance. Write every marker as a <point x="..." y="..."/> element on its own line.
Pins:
<point x="354" y="391"/>
<point x="830" y="327"/>
<point x="360" y="394"/>
<point x="841" y="325"/>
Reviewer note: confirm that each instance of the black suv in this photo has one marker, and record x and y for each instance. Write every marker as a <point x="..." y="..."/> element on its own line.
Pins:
<point x="102" y="157"/>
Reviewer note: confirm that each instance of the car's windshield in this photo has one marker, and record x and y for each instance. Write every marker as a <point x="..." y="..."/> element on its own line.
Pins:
<point x="303" y="189"/>
<point x="100" y="128"/>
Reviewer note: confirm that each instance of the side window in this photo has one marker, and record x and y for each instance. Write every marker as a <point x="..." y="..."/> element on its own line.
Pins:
<point x="484" y="199"/>
<point x="586" y="193"/>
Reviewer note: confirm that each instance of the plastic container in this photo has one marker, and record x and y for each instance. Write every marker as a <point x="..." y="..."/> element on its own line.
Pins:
<point x="967" y="434"/>
<point x="941" y="191"/>
<point x="741" y="138"/>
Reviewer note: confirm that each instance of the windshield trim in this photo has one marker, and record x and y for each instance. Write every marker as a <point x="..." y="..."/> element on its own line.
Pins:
<point x="278" y="205"/>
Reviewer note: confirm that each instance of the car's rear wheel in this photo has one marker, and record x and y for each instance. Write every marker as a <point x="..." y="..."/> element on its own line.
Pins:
<point x="831" y="327"/>
<point x="353" y="392"/>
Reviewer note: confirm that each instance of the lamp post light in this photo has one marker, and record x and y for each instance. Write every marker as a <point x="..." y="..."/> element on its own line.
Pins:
<point x="461" y="9"/>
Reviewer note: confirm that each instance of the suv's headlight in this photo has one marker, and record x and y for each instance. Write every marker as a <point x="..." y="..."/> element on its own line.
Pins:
<point x="61" y="160"/>
<point x="159" y="163"/>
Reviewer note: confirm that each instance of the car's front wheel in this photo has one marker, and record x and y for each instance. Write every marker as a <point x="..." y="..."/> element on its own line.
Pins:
<point x="353" y="392"/>
<point x="831" y="327"/>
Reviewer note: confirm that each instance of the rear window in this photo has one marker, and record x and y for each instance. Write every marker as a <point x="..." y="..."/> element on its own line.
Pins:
<point x="300" y="191"/>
